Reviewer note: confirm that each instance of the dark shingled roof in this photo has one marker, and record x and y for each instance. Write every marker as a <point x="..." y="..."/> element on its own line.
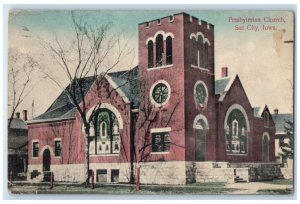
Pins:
<point x="129" y="82"/>
<point x="221" y="84"/>
<point x="62" y="108"/>
<point x="280" y="121"/>
<point x="18" y="123"/>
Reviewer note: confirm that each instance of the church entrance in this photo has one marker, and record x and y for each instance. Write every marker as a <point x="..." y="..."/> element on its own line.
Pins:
<point x="200" y="144"/>
<point x="46" y="160"/>
<point x="265" y="148"/>
<point x="200" y="129"/>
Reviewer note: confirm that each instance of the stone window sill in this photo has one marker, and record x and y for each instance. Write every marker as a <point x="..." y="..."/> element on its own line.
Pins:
<point x="159" y="152"/>
<point x="105" y="155"/>
<point x="201" y="68"/>
<point x="160" y="67"/>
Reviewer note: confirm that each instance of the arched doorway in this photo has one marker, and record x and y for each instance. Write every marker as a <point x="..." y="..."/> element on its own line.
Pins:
<point x="200" y="128"/>
<point x="46" y="160"/>
<point x="265" y="147"/>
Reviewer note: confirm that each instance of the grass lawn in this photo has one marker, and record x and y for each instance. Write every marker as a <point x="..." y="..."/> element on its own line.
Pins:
<point x="275" y="191"/>
<point x="191" y="189"/>
<point x="281" y="182"/>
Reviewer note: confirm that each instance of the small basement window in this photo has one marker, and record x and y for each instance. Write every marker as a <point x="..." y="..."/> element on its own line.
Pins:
<point x="101" y="175"/>
<point x="115" y="175"/>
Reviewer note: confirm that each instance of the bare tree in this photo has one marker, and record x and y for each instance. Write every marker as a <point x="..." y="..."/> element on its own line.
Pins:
<point x="93" y="51"/>
<point x="149" y="115"/>
<point x="20" y="79"/>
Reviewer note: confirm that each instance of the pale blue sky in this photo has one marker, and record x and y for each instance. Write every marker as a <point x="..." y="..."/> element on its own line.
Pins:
<point x="265" y="72"/>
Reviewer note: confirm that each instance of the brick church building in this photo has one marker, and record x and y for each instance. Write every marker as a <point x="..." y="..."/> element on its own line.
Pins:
<point x="168" y="115"/>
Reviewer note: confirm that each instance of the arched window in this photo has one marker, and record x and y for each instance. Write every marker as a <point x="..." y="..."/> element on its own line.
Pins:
<point x="194" y="51"/>
<point x="235" y="127"/>
<point x="159" y="50"/>
<point x="107" y="134"/>
<point x="169" y="54"/>
<point x="200" y="51"/>
<point x="150" y="54"/>
<point x="205" y="55"/>
<point x="236" y="136"/>
<point x="103" y="129"/>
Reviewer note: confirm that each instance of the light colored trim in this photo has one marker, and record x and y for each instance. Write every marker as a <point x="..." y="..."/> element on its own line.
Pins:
<point x="151" y="90"/>
<point x="201" y="68"/>
<point x="157" y="130"/>
<point x="160" y="67"/>
<point x="237" y="154"/>
<point x="280" y="133"/>
<point x="200" y="117"/>
<point x="47" y="147"/>
<point x="163" y="33"/>
<point x="112" y="109"/>
<point x="266" y="134"/>
<point x="135" y="110"/>
<point x="49" y="120"/>
<point x="193" y="35"/>
<point x="205" y="87"/>
<point x="57" y="139"/>
<point x="159" y="152"/>
<point x="117" y="88"/>
<point x="105" y="155"/>
<point x="239" y="107"/>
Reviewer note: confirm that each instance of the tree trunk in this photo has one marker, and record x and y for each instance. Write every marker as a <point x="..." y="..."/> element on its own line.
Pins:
<point x="87" y="157"/>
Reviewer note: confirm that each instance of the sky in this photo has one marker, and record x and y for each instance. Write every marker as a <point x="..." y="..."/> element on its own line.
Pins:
<point x="262" y="60"/>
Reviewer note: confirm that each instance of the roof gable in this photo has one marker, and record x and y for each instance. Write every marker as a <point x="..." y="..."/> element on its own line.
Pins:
<point x="126" y="83"/>
<point x="222" y="86"/>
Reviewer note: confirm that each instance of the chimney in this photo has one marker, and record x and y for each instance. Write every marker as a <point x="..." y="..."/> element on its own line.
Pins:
<point x="276" y="111"/>
<point x="18" y="114"/>
<point x="24" y="115"/>
<point x="224" y="72"/>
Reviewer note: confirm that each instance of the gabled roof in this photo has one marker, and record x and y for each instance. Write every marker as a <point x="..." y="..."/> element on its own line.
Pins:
<point x="62" y="107"/>
<point x="126" y="84"/>
<point x="280" y="121"/>
<point x="18" y="123"/>
<point x="257" y="112"/>
<point x="223" y="85"/>
<point x="129" y="83"/>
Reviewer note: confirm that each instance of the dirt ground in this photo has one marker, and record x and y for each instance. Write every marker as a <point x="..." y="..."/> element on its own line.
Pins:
<point x="253" y="188"/>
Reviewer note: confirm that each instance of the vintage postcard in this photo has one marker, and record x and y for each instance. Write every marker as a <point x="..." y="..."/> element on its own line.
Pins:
<point x="150" y="102"/>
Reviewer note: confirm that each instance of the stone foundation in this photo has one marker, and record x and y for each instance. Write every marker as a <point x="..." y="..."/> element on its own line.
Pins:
<point x="172" y="172"/>
<point x="213" y="172"/>
<point x="287" y="173"/>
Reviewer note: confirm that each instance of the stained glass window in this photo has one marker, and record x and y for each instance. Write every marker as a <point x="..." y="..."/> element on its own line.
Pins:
<point x="160" y="93"/>
<point x="107" y="134"/>
<point x="236" y="132"/>
<point x="200" y="94"/>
